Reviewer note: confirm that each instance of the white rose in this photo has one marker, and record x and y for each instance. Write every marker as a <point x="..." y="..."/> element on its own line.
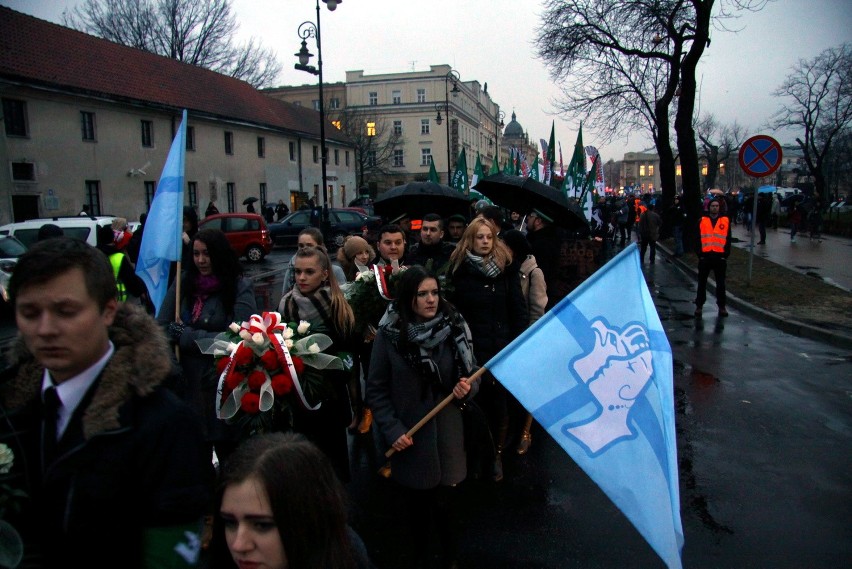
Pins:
<point x="288" y="344"/>
<point x="234" y="327"/>
<point x="7" y="458"/>
<point x="314" y="348"/>
<point x="257" y="338"/>
<point x="288" y="333"/>
<point x="304" y="325"/>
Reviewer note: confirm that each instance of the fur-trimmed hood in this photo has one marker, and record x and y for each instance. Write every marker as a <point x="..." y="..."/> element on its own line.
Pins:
<point x="140" y="363"/>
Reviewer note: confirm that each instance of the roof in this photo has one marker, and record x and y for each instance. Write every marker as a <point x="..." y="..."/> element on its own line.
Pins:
<point x="514" y="128"/>
<point x="40" y="53"/>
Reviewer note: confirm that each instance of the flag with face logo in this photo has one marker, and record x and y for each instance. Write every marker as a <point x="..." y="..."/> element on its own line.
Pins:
<point x="603" y="390"/>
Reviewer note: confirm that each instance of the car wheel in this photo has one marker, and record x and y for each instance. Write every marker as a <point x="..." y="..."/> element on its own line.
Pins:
<point x="254" y="254"/>
<point x="339" y="238"/>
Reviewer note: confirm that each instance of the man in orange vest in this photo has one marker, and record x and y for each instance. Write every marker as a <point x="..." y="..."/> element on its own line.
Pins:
<point x="715" y="235"/>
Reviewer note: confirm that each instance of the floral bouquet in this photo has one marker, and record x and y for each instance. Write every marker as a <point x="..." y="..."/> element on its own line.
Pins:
<point x="11" y="544"/>
<point x="371" y="292"/>
<point x="266" y="367"/>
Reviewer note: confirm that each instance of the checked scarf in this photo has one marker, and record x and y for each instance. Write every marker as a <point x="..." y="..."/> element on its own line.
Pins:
<point x="489" y="267"/>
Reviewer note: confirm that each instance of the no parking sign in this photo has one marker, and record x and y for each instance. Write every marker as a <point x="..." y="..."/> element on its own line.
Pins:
<point x="760" y="156"/>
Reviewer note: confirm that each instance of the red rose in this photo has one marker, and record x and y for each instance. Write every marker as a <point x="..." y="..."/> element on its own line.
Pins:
<point x="243" y="356"/>
<point x="281" y="384"/>
<point x="250" y="403"/>
<point x="270" y="360"/>
<point x="256" y="380"/>
<point x="299" y="365"/>
<point x="221" y="364"/>
<point x="234" y="379"/>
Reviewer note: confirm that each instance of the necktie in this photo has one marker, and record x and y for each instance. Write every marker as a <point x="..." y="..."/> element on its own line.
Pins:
<point x="50" y="409"/>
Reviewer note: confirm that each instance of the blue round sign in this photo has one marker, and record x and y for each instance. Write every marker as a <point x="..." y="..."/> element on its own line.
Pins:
<point x="760" y="156"/>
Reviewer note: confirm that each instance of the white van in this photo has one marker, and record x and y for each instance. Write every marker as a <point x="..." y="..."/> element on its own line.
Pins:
<point x="79" y="226"/>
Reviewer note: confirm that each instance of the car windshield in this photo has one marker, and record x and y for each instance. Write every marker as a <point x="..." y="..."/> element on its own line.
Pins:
<point x="11" y="247"/>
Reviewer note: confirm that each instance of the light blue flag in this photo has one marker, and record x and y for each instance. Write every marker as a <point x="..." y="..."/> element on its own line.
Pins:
<point x="161" y="242"/>
<point x="604" y="391"/>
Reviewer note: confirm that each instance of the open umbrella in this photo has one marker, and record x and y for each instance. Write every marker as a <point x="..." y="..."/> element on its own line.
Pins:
<point x="419" y="198"/>
<point x="249" y="200"/>
<point x="522" y="194"/>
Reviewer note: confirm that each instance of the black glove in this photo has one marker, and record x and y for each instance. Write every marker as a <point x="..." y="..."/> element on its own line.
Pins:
<point x="175" y="331"/>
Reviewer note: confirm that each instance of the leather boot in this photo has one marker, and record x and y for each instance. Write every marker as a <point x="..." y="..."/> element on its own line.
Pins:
<point x="526" y="437"/>
<point x="366" y="421"/>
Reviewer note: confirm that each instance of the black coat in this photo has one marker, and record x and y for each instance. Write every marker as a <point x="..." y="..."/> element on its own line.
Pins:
<point x="131" y="459"/>
<point x="494" y="308"/>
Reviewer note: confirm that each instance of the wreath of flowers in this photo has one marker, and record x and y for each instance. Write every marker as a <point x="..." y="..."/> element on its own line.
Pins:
<point x="265" y="367"/>
<point x="371" y="292"/>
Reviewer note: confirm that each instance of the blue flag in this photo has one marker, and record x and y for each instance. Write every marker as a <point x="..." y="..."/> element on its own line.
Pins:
<point x="161" y="242"/>
<point x="604" y="391"/>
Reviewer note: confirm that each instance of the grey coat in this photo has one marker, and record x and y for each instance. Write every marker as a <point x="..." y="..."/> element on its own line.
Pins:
<point x="395" y="395"/>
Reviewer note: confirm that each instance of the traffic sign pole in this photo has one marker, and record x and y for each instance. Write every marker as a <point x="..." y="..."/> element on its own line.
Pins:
<point x="760" y="156"/>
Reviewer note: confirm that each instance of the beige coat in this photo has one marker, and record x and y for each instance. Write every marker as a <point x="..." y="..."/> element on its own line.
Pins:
<point x="533" y="288"/>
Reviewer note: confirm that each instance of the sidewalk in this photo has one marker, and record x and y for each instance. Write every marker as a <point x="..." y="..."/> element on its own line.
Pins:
<point x="830" y="260"/>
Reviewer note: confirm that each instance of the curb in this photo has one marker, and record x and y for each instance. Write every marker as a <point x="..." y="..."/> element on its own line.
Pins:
<point x="787" y="325"/>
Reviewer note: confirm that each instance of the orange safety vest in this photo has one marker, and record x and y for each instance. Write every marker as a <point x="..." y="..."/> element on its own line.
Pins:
<point x="640" y="209"/>
<point x="713" y="237"/>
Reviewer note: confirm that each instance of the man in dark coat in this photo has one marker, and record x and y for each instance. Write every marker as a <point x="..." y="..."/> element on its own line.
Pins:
<point x="111" y="461"/>
<point x="431" y="251"/>
<point x="546" y="241"/>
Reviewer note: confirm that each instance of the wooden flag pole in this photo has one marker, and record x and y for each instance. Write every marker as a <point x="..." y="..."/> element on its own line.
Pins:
<point x="385" y="470"/>
<point x="177" y="304"/>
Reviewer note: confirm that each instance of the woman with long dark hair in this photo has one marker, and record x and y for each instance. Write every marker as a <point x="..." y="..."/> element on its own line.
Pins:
<point x="487" y="290"/>
<point x="422" y="353"/>
<point x="317" y="298"/>
<point x="213" y="293"/>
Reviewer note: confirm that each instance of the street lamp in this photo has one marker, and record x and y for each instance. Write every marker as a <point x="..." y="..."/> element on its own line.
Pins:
<point x="310" y="30"/>
<point x="453" y="76"/>
<point x="500" y="124"/>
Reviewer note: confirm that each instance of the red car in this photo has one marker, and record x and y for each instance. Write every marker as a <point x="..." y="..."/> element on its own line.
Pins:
<point x="246" y="232"/>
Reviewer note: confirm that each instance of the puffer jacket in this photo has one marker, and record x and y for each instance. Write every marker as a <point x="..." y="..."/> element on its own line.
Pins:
<point x="130" y="474"/>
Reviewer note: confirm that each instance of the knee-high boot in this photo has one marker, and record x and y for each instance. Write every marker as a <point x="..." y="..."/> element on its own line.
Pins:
<point x="526" y="437"/>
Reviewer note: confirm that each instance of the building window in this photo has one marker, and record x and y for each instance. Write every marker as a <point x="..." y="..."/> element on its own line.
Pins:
<point x="192" y="193"/>
<point x="231" y="190"/>
<point x="87" y="125"/>
<point x="650" y="169"/>
<point x="262" y="192"/>
<point x="397" y="97"/>
<point x="93" y="196"/>
<point x="425" y="156"/>
<point x="229" y="142"/>
<point x="374" y="98"/>
<point x="147" y="134"/>
<point x="421" y="95"/>
<point x="190" y="138"/>
<point x="336" y="157"/>
<point x="397" y="128"/>
<point x="334" y="103"/>
<point x="641" y="170"/>
<point x="316" y="154"/>
<point x="398" y="158"/>
<point x="371" y="129"/>
<point x="346" y="157"/>
<point x="677" y="170"/>
<point x="261" y="147"/>
<point x="150" y="190"/>
<point x="371" y="158"/>
<point x="15" y="117"/>
<point x="424" y="126"/>
<point x="315" y="104"/>
<point x="23" y="171"/>
<point x="292" y="151"/>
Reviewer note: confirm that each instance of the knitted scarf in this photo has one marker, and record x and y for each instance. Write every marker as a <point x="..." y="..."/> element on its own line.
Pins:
<point x="205" y="285"/>
<point x="489" y="267"/>
<point x="421" y="338"/>
<point x="314" y="308"/>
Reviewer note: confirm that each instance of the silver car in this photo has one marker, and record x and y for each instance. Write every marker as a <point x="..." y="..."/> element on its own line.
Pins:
<point x="10" y="250"/>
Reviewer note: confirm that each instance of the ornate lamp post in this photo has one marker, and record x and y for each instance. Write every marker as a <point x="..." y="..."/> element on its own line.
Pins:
<point x="310" y="30"/>
<point x="453" y="76"/>
<point x="499" y="124"/>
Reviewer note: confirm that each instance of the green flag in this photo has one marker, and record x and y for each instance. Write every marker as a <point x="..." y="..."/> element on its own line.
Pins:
<point x="433" y="174"/>
<point x="495" y="168"/>
<point x="509" y="166"/>
<point x="575" y="177"/>
<point x="551" y="154"/>
<point x="460" y="180"/>
<point x="534" y="170"/>
<point x="589" y="183"/>
<point x="478" y="174"/>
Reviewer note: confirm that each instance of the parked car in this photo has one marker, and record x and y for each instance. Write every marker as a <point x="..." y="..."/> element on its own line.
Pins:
<point x="247" y="233"/>
<point x="364" y="202"/>
<point x="10" y="250"/>
<point x="79" y="226"/>
<point x="344" y="222"/>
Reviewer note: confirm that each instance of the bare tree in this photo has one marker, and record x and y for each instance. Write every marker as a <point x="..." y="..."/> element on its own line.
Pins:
<point x="718" y="143"/>
<point x="200" y="32"/>
<point x="820" y="91"/>
<point x="374" y="142"/>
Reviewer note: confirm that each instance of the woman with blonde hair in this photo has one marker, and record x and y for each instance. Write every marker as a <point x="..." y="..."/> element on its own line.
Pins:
<point x="317" y="298"/>
<point x="354" y="256"/>
<point x="486" y="288"/>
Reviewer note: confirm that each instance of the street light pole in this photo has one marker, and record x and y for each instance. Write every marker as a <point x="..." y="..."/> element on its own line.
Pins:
<point x="306" y="30"/>
<point x="452" y="74"/>
<point x="499" y="124"/>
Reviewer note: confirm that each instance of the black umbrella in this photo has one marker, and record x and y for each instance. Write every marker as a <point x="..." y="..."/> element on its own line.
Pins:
<point x="522" y="194"/>
<point x="252" y="199"/>
<point x="795" y="198"/>
<point x="419" y="198"/>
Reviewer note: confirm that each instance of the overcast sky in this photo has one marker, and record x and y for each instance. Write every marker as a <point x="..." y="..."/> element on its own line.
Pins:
<point x="491" y="41"/>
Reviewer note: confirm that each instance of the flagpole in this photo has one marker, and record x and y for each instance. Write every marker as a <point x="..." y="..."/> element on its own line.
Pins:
<point x="177" y="303"/>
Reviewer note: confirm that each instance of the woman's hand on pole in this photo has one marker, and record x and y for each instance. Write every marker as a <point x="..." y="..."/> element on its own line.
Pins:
<point x="402" y="443"/>
<point x="461" y="389"/>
